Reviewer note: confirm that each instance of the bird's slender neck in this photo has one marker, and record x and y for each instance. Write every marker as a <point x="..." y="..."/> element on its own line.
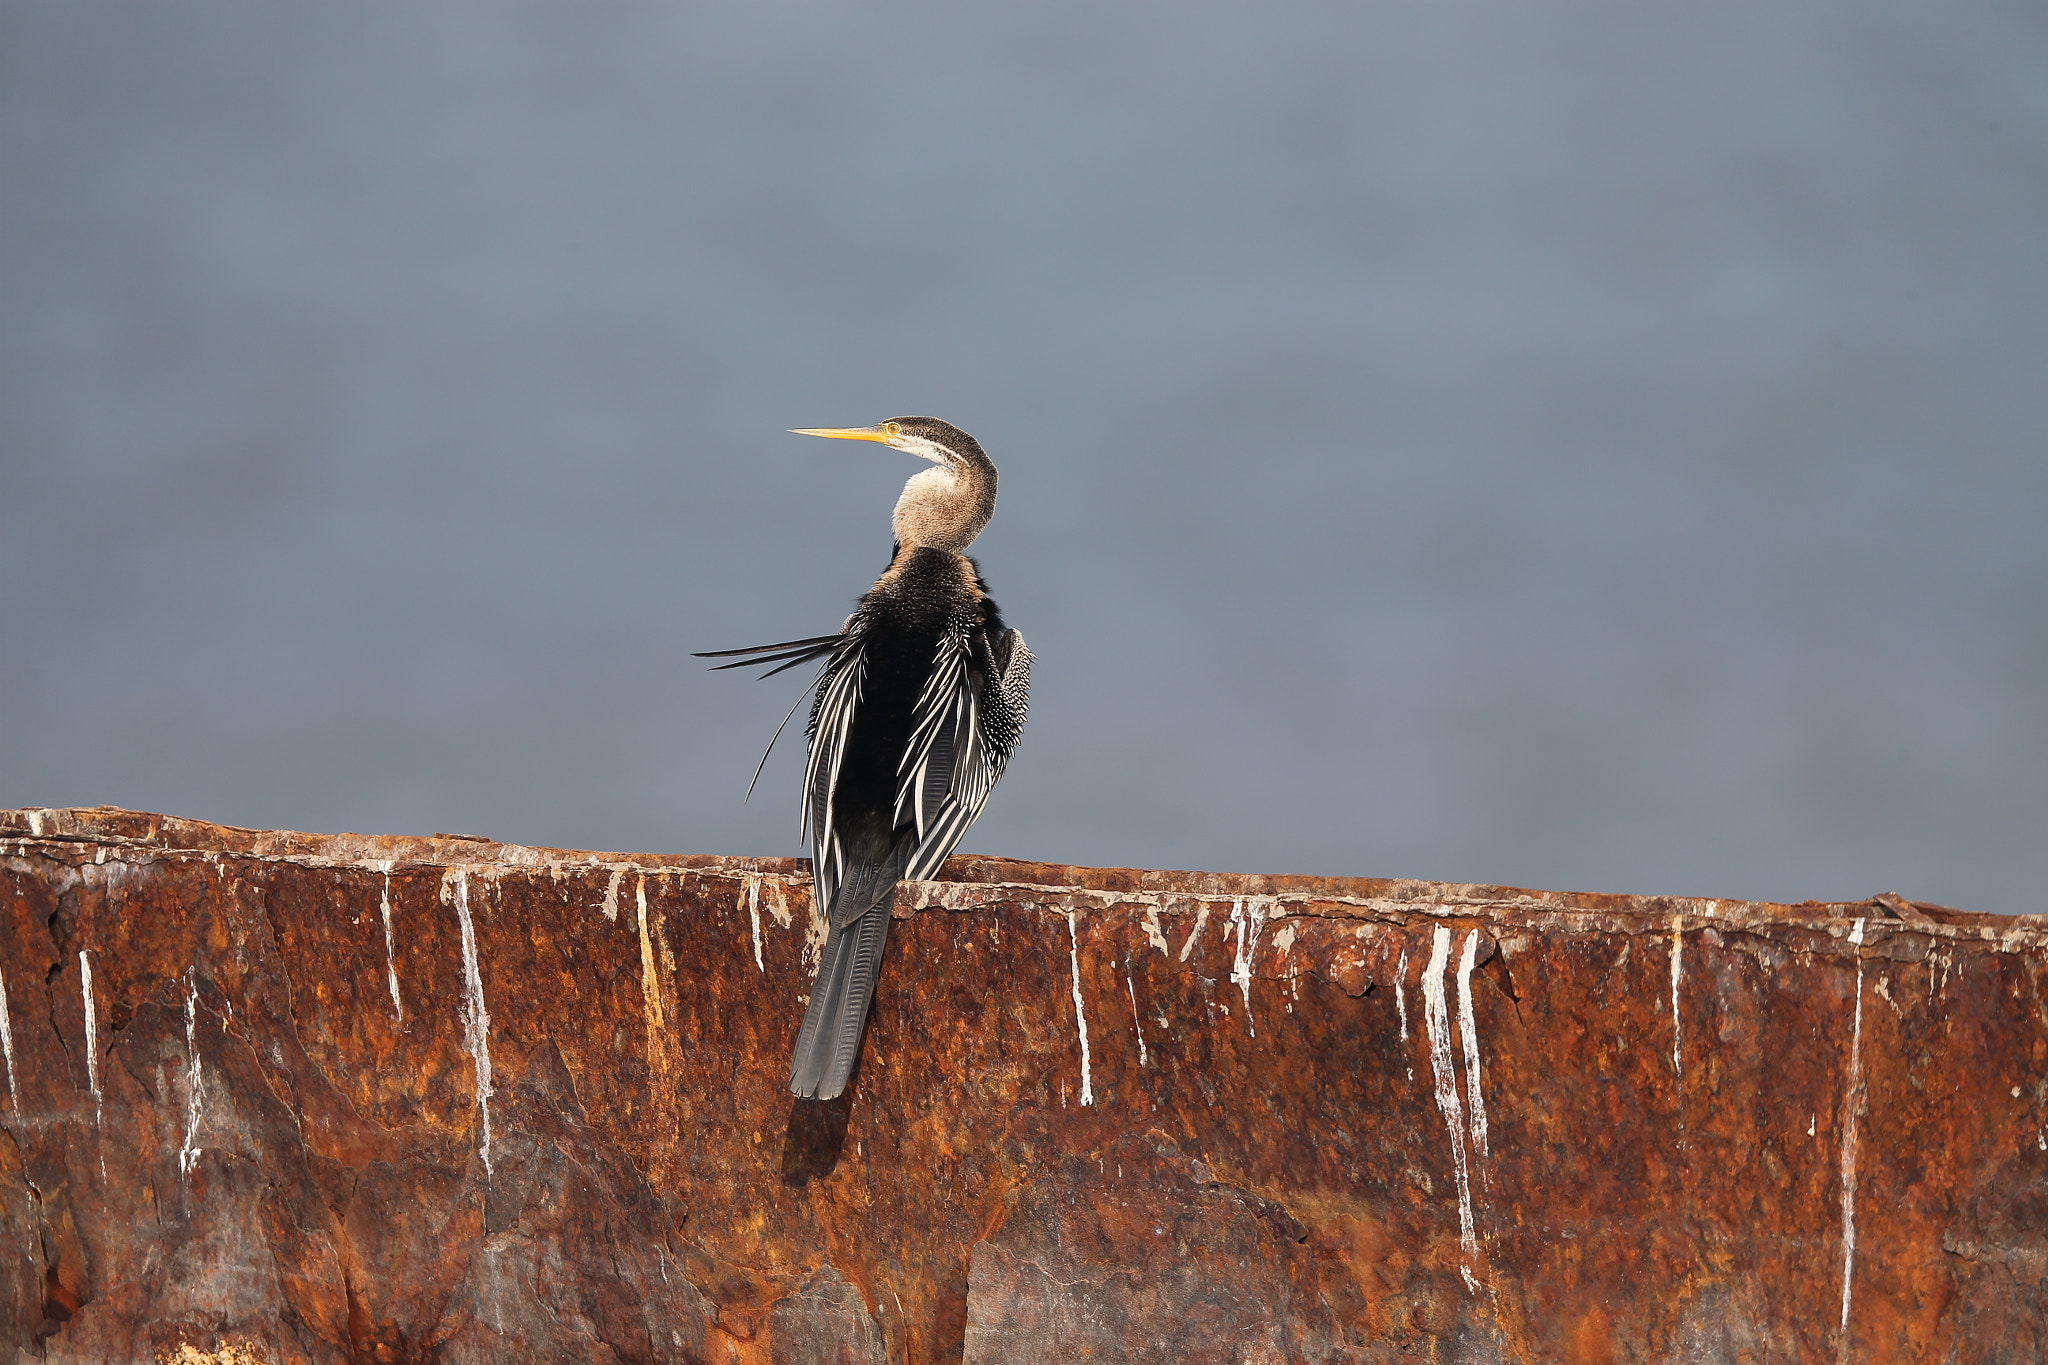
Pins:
<point x="945" y="507"/>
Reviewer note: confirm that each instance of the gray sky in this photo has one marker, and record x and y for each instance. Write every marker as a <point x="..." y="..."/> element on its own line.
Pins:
<point x="1591" y="447"/>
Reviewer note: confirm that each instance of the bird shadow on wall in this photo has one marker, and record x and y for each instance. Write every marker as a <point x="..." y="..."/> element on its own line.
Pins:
<point x="816" y="1134"/>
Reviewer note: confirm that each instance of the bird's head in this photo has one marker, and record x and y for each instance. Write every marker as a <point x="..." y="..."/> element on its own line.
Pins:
<point x="944" y="508"/>
<point x="925" y="437"/>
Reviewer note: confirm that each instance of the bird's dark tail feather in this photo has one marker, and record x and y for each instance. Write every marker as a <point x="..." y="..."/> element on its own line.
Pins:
<point x="829" y="1041"/>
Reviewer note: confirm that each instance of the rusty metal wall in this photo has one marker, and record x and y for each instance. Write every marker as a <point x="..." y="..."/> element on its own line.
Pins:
<point x="384" y="1099"/>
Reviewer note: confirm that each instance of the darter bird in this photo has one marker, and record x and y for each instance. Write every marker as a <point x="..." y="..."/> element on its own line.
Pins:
<point x="919" y="705"/>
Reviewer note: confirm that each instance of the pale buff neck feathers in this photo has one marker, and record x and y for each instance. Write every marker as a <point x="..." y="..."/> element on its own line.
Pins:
<point x="946" y="507"/>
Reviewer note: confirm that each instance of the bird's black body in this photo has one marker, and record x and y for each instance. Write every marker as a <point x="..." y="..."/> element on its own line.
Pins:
<point x="918" y="707"/>
<point x="901" y="621"/>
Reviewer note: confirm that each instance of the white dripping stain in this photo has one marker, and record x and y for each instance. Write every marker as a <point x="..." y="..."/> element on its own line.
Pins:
<point x="195" y="1088"/>
<point x="1436" y="1018"/>
<point x="476" y="1020"/>
<point x="650" y="985"/>
<point x="1283" y="939"/>
<point x="1080" y="1012"/>
<point x="779" y="907"/>
<point x="1850" y="1101"/>
<point x="1677" y="976"/>
<point x="390" y="953"/>
<point x="1188" y="944"/>
<point x="1135" y="1022"/>
<point x="1153" y="932"/>
<point x="92" y="1033"/>
<point x="7" y="1043"/>
<point x="818" y="928"/>
<point x="1470" y="1031"/>
<point x="1283" y="944"/>
<point x="1245" y="923"/>
<point x="753" y="899"/>
<point x="1401" y="996"/>
<point x="610" y="905"/>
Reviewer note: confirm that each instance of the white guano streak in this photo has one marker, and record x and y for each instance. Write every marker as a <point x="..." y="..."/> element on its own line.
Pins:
<point x="1245" y="923"/>
<point x="1677" y="975"/>
<point x="754" y="917"/>
<point x="1849" y="1104"/>
<point x="1188" y="944"/>
<point x="1080" y="1012"/>
<point x="1134" y="1012"/>
<point x="650" y="986"/>
<point x="390" y="953"/>
<point x="817" y="929"/>
<point x="188" y="1152"/>
<point x="7" y="1042"/>
<point x="1401" y="993"/>
<point x="92" y="1033"/>
<point x="1152" y="931"/>
<point x="476" y="1021"/>
<point x="1436" y="1018"/>
<point x="1470" y="1030"/>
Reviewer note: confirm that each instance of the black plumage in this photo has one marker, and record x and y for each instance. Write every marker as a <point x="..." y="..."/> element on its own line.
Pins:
<point x="919" y="704"/>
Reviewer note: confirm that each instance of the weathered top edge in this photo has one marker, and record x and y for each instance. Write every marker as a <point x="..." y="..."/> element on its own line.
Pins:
<point x="114" y="826"/>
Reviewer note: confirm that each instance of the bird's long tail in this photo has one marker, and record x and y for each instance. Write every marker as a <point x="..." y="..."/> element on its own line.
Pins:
<point x="829" y="1041"/>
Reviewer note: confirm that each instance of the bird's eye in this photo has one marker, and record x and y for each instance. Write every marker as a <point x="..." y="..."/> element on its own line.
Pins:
<point x="892" y="429"/>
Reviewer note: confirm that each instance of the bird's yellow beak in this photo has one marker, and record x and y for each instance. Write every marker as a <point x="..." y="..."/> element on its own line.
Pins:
<point x="885" y="433"/>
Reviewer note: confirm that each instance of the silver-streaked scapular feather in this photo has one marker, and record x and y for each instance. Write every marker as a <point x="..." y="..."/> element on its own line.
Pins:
<point x="919" y="704"/>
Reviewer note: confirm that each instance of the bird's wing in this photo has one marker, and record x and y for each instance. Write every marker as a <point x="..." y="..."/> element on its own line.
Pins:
<point x="1005" y="694"/>
<point x="786" y="655"/>
<point x="838" y="697"/>
<point x="964" y="729"/>
<point x="765" y="649"/>
<point x="942" y="733"/>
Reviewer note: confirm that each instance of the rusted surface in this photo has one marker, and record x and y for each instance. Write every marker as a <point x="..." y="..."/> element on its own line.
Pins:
<point x="1101" y="1114"/>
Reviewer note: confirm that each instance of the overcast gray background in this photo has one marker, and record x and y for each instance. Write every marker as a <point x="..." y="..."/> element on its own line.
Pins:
<point x="1594" y="447"/>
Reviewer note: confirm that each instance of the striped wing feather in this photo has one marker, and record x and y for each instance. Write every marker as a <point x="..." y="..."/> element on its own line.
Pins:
<point x="839" y="690"/>
<point x="949" y="767"/>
